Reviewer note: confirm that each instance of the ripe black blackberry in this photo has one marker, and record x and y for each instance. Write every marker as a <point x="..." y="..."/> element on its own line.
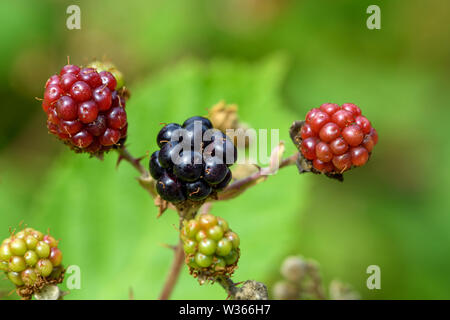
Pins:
<point x="85" y="108"/>
<point x="193" y="160"/>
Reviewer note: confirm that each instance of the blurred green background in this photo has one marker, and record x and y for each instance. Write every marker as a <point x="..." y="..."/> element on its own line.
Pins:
<point x="276" y="59"/>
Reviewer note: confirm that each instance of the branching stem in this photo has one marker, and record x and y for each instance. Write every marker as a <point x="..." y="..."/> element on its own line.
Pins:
<point x="174" y="272"/>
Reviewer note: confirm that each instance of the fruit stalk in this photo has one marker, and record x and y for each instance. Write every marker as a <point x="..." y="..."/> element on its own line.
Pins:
<point x="178" y="261"/>
<point x="174" y="272"/>
<point x="145" y="180"/>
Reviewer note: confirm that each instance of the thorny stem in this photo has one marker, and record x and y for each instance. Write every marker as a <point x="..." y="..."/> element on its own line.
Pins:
<point x="228" y="285"/>
<point x="174" y="272"/>
<point x="124" y="154"/>
<point x="145" y="180"/>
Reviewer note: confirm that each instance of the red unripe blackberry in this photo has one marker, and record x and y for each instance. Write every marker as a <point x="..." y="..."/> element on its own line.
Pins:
<point x="329" y="108"/>
<point x="84" y="109"/>
<point x="353" y="108"/>
<point x="323" y="152"/>
<point x="323" y="166"/>
<point x="108" y="80"/>
<point x="329" y="132"/>
<point x="360" y="155"/>
<point x="52" y="115"/>
<point x="368" y="143"/>
<point x="311" y="114"/>
<point x="82" y="139"/>
<point x="70" y="127"/>
<point x="52" y="93"/>
<point x="306" y="131"/>
<point x="211" y="248"/>
<point x="69" y="68"/>
<point x="342" y="118"/>
<point x="53" y="80"/>
<point x="91" y="77"/>
<point x="67" y="80"/>
<point x="339" y="146"/>
<point x="97" y="127"/>
<point x="363" y="123"/>
<point x="308" y="148"/>
<point x="353" y="135"/>
<point x="28" y="259"/>
<point x="66" y="108"/>
<point x="87" y="111"/>
<point x="102" y="96"/>
<point x="117" y="118"/>
<point x="80" y="91"/>
<point x="334" y="138"/>
<point x="110" y="137"/>
<point x="111" y="77"/>
<point x="342" y="162"/>
<point x="319" y="120"/>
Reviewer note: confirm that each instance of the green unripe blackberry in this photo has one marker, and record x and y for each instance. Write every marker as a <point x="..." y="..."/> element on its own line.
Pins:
<point x="18" y="247"/>
<point x="31" y="257"/>
<point x="224" y="247"/>
<point x="211" y="248"/>
<point x="207" y="246"/>
<point x="203" y="260"/>
<point x="232" y="257"/>
<point x="5" y="252"/>
<point x="31" y="260"/>
<point x="215" y="233"/>
<point x="15" y="278"/>
<point x="31" y="242"/>
<point x="29" y="276"/>
<point x="42" y="249"/>
<point x="44" y="267"/>
<point x="17" y="264"/>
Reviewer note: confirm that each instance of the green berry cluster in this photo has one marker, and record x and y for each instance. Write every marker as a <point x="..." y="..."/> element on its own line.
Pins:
<point x="211" y="247"/>
<point x="30" y="258"/>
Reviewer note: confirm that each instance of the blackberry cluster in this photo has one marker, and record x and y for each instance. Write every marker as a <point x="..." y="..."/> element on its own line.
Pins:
<point x="85" y="109"/>
<point x="211" y="247"/>
<point x="193" y="160"/>
<point x="30" y="259"/>
<point x="335" y="138"/>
